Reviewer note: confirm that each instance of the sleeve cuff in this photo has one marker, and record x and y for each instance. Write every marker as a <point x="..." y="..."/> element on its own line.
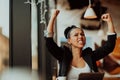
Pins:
<point x="48" y="34"/>
<point x="111" y="33"/>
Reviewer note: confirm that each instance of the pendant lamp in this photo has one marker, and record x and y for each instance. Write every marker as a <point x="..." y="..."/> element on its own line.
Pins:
<point x="90" y="14"/>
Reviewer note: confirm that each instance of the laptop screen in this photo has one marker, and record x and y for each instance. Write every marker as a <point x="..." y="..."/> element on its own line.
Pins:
<point x="91" y="76"/>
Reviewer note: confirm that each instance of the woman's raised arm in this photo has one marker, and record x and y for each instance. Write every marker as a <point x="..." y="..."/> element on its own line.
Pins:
<point x="107" y="17"/>
<point x="50" y="27"/>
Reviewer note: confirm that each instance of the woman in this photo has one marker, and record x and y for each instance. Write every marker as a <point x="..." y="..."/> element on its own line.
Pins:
<point x="76" y="60"/>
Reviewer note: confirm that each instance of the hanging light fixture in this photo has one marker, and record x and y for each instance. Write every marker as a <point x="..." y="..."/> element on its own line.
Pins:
<point x="90" y="14"/>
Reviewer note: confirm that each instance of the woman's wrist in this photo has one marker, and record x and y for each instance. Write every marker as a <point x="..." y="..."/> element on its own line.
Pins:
<point x="48" y="34"/>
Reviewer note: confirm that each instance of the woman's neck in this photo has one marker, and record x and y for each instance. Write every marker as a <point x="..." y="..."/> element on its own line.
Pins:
<point x="76" y="52"/>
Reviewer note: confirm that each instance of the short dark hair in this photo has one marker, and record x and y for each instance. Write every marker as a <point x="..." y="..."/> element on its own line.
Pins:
<point x="67" y="31"/>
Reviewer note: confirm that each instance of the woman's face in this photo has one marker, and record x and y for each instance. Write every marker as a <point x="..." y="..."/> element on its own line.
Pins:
<point x="77" y="38"/>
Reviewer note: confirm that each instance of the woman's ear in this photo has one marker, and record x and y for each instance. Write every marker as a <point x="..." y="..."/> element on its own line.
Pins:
<point x="68" y="40"/>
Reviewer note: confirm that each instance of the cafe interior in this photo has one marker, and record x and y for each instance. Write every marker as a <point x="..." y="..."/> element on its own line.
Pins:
<point x="23" y="54"/>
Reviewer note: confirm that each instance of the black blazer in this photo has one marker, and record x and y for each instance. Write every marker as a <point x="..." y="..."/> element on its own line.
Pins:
<point x="64" y="55"/>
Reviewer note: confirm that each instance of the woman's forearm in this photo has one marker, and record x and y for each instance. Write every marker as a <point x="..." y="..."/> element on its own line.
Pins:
<point x="50" y="27"/>
<point x="111" y="28"/>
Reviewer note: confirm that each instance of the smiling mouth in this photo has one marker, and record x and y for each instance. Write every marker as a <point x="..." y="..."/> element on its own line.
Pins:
<point x="80" y="42"/>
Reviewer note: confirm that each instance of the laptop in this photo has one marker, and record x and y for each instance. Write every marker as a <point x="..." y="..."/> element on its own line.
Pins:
<point x="91" y="76"/>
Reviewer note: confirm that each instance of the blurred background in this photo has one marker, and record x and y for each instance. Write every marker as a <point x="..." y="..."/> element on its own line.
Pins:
<point x="22" y="44"/>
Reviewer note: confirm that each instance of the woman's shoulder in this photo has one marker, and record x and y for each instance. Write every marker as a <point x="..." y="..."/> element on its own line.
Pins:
<point x="64" y="47"/>
<point x="87" y="50"/>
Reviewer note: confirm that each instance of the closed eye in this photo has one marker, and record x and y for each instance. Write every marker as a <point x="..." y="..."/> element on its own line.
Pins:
<point x="82" y="34"/>
<point x="76" y="34"/>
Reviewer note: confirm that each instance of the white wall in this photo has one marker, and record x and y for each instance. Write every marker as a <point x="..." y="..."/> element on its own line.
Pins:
<point x="4" y="17"/>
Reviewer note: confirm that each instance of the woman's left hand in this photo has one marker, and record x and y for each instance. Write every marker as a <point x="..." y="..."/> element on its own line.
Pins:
<point x="106" y="17"/>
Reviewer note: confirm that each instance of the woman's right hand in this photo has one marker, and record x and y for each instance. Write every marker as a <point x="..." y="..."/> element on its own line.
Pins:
<point x="55" y="12"/>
